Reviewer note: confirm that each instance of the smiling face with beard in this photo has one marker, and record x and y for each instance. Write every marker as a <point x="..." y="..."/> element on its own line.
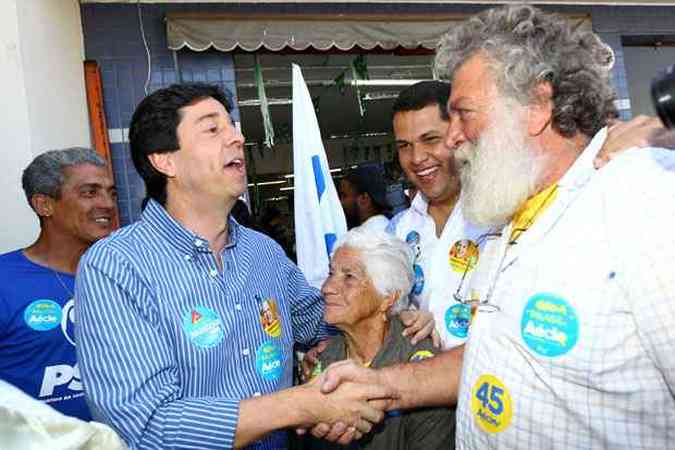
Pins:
<point x="500" y="170"/>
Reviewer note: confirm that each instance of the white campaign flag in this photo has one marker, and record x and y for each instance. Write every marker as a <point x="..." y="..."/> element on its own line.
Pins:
<point x="319" y="219"/>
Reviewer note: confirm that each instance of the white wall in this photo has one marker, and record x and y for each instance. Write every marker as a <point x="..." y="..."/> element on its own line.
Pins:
<point x="43" y="97"/>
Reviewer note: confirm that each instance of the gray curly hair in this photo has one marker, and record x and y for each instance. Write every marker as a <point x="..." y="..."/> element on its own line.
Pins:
<point x="526" y="46"/>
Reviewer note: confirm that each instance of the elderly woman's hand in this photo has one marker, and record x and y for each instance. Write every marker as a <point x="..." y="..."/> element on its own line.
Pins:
<point x="419" y="325"/>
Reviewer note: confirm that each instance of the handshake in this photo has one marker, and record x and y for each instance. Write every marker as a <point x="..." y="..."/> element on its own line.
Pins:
<point x="344" y="402"/>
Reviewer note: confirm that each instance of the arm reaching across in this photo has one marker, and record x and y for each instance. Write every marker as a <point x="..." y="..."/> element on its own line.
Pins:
<point x="641" y="131"/>
<point x="431" y="382"/>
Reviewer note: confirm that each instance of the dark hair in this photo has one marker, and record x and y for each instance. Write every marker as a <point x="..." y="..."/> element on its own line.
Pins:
<point x="154" y="127"/>
<point x="423" y="94"/>
<point x="370" y="180"/>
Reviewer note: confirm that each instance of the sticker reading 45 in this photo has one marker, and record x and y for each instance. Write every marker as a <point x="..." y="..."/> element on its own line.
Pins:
<point x="491" y="404"/>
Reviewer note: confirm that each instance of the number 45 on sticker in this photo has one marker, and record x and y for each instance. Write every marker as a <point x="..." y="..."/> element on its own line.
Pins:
<point x="491" y="404"/>
<point x="490" y="396"/>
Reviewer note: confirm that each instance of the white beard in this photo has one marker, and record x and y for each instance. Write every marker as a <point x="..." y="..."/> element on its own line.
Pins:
<point x="500" y="172"/>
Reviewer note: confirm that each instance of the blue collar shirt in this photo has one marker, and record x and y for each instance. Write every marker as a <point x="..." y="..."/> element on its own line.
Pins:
<point x="168" y="344"/>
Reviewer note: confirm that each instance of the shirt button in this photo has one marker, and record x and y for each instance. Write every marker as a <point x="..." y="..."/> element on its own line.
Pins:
<point x="257" y="394"/>
<point x="245" y="352"/>
<point x="198" y="243"/>
<point x="187" y="257"/>
<point x="213" y="273"/>
<point x="237" y="307"/>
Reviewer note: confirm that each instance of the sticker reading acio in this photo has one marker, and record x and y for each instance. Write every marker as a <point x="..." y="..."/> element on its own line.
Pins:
<point x="458" y="319"/>
<point x="43" y="315"/>
<point x="549" y="325"/>
<point x="491" y="404"/>
<point x="269" y="361"/>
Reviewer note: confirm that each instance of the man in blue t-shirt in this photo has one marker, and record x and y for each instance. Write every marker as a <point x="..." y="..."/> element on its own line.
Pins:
<point x="73" y="196"/>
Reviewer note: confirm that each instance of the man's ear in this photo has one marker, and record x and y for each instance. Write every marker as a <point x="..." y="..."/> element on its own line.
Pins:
<point x="42" y="204"/>
<point x="540" y="109"/>
<point x="163" y="163"/>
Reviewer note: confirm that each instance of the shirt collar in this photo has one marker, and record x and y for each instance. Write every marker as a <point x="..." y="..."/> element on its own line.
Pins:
<point x="183" y="239"/>
<point x="583" y="168"/>
<point x="420" y="203"/>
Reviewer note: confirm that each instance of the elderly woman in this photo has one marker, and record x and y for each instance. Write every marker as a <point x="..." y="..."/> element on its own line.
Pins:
<point x="370" y="277"/>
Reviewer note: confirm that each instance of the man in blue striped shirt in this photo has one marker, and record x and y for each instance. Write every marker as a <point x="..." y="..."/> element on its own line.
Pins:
<point x="187" y="320"/>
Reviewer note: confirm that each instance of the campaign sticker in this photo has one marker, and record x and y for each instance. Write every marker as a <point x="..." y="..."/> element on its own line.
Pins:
<point x="269" y="361"/>
<point x="269" y="317"/>
<point x="463" y="256"/>
<point x="549" y="325"/>
<point x="203" y="327"/>
<point x="419" y="280"/>
<point x="43" y="315"/>
<point x="413" y="240"/>
<point x="457" y="320"/>
<point x="491" y="404"/>
<point x="419" y="355"/>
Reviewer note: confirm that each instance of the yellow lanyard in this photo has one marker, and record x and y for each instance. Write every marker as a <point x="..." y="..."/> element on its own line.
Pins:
<point x="531" y="211"/>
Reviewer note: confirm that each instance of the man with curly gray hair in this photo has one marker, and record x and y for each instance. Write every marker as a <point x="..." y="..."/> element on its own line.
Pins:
<point x="570" y="344"/>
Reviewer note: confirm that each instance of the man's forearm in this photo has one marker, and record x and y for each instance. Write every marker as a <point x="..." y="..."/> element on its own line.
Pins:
<point x="259" y="416"/>
<point x="432" y="382"/>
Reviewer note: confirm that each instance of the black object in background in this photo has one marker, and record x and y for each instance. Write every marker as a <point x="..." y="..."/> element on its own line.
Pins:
<point x="663" y="96"/>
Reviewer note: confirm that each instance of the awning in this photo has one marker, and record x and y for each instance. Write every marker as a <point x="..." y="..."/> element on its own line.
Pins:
<point x="227" y="32"/>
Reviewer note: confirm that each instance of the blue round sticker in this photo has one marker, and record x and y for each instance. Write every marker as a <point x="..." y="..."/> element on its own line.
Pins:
<point x="203" y="327"/>
<point x="419" y="280"/>
<point x="413" y="240"/>
<point x="269" y="361"/>
<point x="43" y="315"/>
<point x="549" y="326"/>
<point x="457" y="320"/>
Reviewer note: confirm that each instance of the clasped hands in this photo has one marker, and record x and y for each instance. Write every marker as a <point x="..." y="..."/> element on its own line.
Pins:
<point x="352" y="400"/>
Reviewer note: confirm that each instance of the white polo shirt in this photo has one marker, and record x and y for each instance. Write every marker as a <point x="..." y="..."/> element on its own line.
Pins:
<point x="581" y="354"/>
<point x="440" y="265"/>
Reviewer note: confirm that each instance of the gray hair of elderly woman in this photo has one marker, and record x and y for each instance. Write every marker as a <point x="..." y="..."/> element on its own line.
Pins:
<point x="388" y="262"/>
<point x="526" y="46"/>
<point x="45" y="174"/>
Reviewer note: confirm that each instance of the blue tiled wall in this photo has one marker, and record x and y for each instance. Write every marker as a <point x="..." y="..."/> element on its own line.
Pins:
<point x="112" y="37"/>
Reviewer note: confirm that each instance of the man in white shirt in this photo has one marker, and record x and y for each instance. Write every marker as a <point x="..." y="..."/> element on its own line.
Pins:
<point x="571" y="344"/>
<point x="446" y="245"/>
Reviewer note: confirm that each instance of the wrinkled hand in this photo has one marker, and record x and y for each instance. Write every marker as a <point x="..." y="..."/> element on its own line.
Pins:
<point x="641" y="131"/>
<point x="310" y="360"/>
<point x="419" y="325"/>
<point x="348" y="372"/>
